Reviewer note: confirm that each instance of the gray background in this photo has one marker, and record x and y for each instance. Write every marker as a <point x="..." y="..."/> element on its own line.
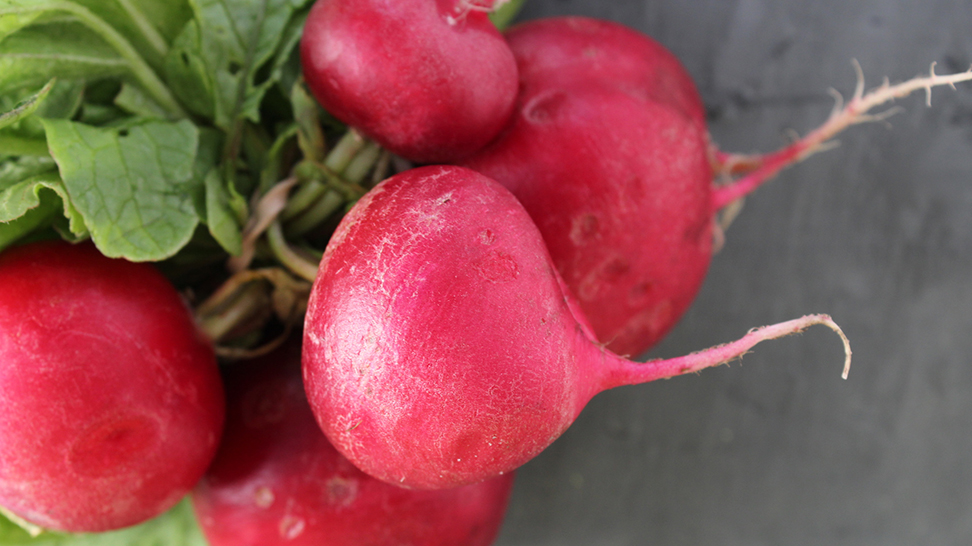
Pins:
<point x="878" y="233"/>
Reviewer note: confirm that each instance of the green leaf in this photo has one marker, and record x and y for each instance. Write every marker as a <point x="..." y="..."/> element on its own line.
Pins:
<point x="71" y="51"/>
<point x="213" y="65"/>
<point x="135" y="101"/>
<point x="138" y="69"/>
<point x="133" y="186"/>
<point x="220" y="213"/>
<point x="287" y="69"/>
<point x="149" y="25"/>
<point x="12" y="20"/>
<point x="25" y="135"/>
<point x="33" y="203"/>
<point x="18" y="169"/>
<point x="176" y="527"/>
<point x="17" y="199"/>
<point x="26" y="107"/>
<point x="189" y="75"/>
<point x="62" y="102"/>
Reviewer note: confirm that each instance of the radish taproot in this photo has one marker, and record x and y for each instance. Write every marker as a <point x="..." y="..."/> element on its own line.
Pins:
<point x="430" y="80"/>
<point x="112" y="403"/>
<point x="277" y="480"/>
<point x="609" y="153"/>
<point x="440" y="347"/>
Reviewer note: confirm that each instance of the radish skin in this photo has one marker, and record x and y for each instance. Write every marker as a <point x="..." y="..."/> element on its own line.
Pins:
<point x="276" y="480"/>
<point x="112" y="403"/>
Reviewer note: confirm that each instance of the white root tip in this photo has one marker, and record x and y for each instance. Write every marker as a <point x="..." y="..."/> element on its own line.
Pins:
<point x="838" y="102"/>
<point x="799" y="325"/>
<point x="859" y="88"/>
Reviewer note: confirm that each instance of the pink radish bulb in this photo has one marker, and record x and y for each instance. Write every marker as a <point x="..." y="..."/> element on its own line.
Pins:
<point x="430" y="80"/>
<point x="559" y="50"/>
<point x="440" y="348"/>
<point x="112" y="403"/>
<point x="277" y="480"/>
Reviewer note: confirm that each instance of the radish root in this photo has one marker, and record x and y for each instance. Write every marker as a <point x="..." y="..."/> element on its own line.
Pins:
<point x="631" y="373"/>
<point x="761" y="168"/>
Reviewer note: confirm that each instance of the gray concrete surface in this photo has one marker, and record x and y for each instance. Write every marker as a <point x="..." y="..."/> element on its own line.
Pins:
<point x="779" y="450"/>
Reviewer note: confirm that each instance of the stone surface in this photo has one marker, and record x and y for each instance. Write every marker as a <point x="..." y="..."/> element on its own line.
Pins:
<point x="878" y="233"/>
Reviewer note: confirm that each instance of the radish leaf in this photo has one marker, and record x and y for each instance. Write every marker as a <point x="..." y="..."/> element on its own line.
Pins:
<point x="133" y="186"/>
<point x="27" y="107"/>
<point x="177" y="526"/>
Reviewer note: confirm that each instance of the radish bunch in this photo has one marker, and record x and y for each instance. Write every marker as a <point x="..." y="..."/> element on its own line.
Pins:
<point x="461" y="316"/>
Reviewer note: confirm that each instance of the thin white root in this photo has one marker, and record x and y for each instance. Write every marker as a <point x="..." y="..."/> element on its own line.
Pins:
<point x="729" y="214"/>
<point x="775" y="331"/>
<point x="859" y="88"/>
<point x="847" y="348"/>
<point x="855" y="111"/>
<point x="838" y="101"/>
<point x="764" y="167"/>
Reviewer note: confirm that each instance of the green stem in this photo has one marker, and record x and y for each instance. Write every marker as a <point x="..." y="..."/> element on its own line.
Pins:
<point x="315" y="215"/>
<point x="302" y="199"/>
<point x="273" y="169"/>
<point x="251" y="301"/>
<point x="311" y="135"/>
<point x="148" y="31"/>
<point x="286" y="255"/>
<point x="362" y="163"/>
<point x="344" y="151"/>
<point x="313" y="171"/>
<point x="142" y="72"/>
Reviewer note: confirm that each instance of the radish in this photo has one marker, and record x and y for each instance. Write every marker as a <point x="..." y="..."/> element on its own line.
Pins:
<point x="440" y="347"/>
<point x="112" y="403"/>
<point x="609" y="153"/>
<point x="277" y="480"/>
<point x="562" y="51"/>
<point x="430" y="80"/>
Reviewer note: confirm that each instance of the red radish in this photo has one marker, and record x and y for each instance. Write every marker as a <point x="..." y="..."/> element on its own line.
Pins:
<point x="430" y="80"/>
<point x="112" y="403"/>
<point x="277" y="480"/>
<point x="561" y="50"/>
<point x="440" y="348"/>
<point x="609" y="153"/>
